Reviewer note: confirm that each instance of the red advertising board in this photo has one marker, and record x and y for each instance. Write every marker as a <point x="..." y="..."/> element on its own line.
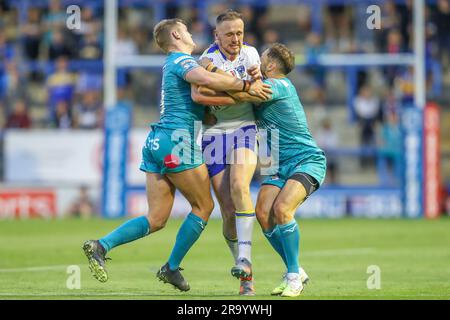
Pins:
<point x="432" y="178"/>
<point x="27" y="203"/>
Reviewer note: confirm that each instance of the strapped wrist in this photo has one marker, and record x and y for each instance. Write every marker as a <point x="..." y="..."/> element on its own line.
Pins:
<point x="246" y="86"/>
<point x="210" y="67"/>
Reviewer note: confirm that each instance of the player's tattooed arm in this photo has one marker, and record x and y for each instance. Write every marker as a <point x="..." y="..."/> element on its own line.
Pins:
<point x="210" y="97"/>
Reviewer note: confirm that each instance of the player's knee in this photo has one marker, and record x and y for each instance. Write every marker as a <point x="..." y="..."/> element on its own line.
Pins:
<point x="262" y="211"/>
<point x="262" y="215"/>
<point x="156" y="223"/>
<point x="204" y="207"/>
<point x="282" y="211"/>
<point x="239" y="189"/>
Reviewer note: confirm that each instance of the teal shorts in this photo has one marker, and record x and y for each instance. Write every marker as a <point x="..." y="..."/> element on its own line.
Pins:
<point x="315" y="166"/>
<point x="170" y="151"/>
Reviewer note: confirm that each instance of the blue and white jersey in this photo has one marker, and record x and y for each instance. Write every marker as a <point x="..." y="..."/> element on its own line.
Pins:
<point x="230" y="118"/>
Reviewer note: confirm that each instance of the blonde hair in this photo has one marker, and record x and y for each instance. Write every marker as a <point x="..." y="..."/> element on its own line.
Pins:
<point x="161" y="32"/>
<point x="228" y="15"/>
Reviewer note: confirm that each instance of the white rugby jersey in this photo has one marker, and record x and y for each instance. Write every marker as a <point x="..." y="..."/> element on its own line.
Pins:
<point x="236" y="116"/>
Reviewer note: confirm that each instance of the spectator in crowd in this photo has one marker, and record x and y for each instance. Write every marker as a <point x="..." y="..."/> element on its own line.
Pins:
<point x="327" y="139"/>
<point x="313" y="49"/>
<point x="404" y="86"/>
<point x="90" y="48"/>
<point x="390" y="17"/>
<point x="83" y="206"/>
<point x="394" y="45"/>
<point x="125" y="45"/>
<point x="58" y="46"/>
<point x="390" y="103"/>
<point x="55" y="19"/>
<point x="390" y="145"/>
<point x="63" y="119"/>
<point x="91" y="24"/>
<point x="13" y="84"/>
<point x="405" y="13"/>
<point x="6" y="49"/>
<point x="442" y="18"/>
<point x="32" y="34"/>
<point x="270" y="37"/>
<point x="367" y="110"/>
<point x="171" y="8"/>
<point x="200" y="35"/>
<point x="89" y="112"/>
<point x="19" y="118"/>
<point x="60" y="85"/>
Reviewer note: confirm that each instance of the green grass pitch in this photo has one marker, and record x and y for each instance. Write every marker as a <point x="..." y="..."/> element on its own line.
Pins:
<point x="413" y="257"/>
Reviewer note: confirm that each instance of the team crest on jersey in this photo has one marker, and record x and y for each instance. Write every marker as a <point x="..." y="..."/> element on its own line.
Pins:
<point x="241" y="71"/>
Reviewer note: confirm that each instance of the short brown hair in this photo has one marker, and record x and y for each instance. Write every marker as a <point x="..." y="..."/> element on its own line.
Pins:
<point x="161" y="32"/>
<point x="228" y="15"/>
<point x="284" y="57"/>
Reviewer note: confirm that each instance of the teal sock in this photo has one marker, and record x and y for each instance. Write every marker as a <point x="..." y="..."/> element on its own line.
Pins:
<point x="129" y="231"/>
<point x="274" y="237"/>
<point x="290" y="238"/>
<point x="188" y="233"/>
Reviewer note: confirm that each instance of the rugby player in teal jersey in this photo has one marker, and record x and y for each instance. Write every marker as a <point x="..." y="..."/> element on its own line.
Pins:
<point x="172" y="158"/>
<point x="301" y="164"/>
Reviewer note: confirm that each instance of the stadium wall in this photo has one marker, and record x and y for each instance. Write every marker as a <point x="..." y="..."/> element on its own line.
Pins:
<point x="44" y="172"/>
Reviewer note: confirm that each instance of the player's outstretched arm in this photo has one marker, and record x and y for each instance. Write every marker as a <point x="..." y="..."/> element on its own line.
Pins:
<point x="237" y="96"/>
<point x="211" y="97"/>
<point x="219" y="82"/>
<point x="240" y="96"/>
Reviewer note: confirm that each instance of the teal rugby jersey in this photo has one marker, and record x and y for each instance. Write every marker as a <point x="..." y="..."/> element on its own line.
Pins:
<point x="177" y="109"/>
<point x="284" y="112"/>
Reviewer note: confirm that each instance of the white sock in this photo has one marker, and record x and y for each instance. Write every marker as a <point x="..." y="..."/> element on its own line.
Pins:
<point x="293" y="280"/>
<point x="244" y="230"/>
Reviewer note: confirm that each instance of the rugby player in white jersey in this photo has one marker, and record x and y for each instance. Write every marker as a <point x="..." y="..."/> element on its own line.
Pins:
<point x="229" y="145"/>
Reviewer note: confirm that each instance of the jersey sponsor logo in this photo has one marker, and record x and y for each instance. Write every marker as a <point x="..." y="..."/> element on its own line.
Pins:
<point x="187" y="64"/>
<point x="171" y="161"/>
<point x="177" y="60"/>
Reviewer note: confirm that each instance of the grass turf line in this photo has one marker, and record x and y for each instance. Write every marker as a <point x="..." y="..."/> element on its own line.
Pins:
<point x="413" y="257"/>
